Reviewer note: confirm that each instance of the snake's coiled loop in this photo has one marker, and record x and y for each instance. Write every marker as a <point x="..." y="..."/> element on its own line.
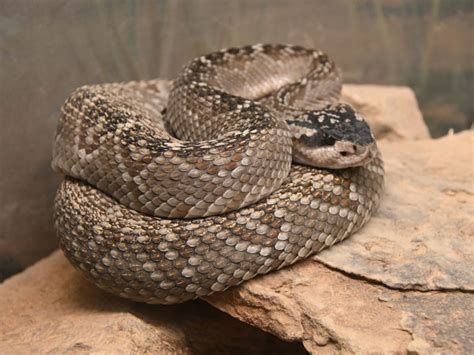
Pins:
<point x="166" y="208"/>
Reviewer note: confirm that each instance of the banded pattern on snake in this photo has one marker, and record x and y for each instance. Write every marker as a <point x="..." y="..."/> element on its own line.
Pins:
<point x="174" y="193"/>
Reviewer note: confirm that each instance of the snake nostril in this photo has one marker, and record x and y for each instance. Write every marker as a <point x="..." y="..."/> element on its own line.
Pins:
<point x="348" y="150"/>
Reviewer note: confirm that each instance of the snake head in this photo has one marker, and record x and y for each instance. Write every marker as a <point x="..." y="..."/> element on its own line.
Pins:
<point x="335" y="137"/>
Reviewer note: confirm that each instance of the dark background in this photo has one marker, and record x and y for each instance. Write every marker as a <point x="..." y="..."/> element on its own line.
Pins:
<point x="50" y="47"/>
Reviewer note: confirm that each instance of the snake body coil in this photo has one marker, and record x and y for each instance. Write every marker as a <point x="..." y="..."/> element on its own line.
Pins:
<point x="172" y="194"/>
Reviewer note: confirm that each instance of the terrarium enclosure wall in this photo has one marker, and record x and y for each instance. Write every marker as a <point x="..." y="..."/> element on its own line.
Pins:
<point x="48" y="48"/>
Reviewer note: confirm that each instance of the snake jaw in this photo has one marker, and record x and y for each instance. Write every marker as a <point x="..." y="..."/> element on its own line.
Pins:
<point x="341" y="155"/>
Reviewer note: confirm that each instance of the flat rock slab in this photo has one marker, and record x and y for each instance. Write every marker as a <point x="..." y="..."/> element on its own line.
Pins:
<point x="402" y="284"/>
<point x="51" y="309"/>
<point x="421" y="238"/>
<point x="405" y="282"/>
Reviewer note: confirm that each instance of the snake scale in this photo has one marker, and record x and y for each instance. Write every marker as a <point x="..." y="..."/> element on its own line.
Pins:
<point x="175" y="191"/>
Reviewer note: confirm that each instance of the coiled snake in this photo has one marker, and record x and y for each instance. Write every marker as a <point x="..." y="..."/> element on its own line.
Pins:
<point x="166" y="199"/>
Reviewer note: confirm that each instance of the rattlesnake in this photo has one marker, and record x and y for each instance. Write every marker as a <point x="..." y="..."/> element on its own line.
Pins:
<point x="173" y="193"/>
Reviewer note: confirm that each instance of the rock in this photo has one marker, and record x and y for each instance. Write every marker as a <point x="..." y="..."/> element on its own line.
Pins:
<point x="404" y="283"/>
<point x="392" y="111"/>
<point x="50" y="308"/>
<point x="426" y="213"/>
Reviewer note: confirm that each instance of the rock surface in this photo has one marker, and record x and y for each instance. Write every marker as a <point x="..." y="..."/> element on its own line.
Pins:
<point x="50" y="308"/>
<point x="426" y="214"/>
<point x="404" y="283"/>
<point x="392" y="111"/>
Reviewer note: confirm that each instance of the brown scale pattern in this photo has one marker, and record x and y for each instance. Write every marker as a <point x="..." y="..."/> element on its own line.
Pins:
<point x="119" y="212"/>
<point x="168" y="261"/>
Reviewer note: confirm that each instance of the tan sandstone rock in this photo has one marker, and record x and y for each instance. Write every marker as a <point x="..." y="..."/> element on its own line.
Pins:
<point x="404" y="283"/>
<point x="51" y="309"/>
<point x="392" y="111"/>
